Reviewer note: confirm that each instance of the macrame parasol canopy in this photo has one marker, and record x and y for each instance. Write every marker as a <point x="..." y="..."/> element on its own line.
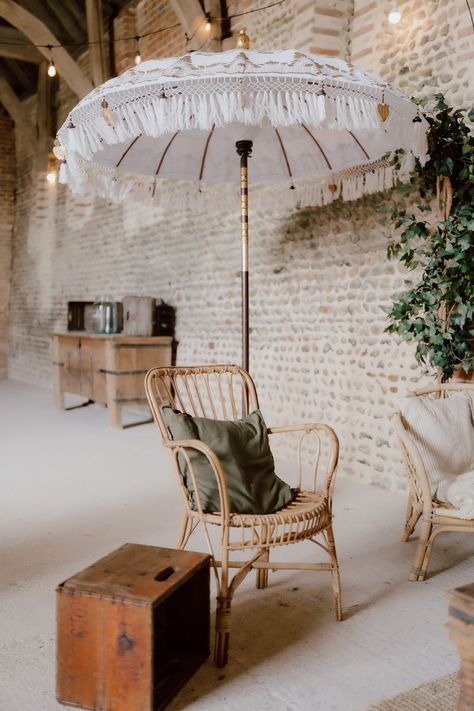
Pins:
<point x="171" y="126"/>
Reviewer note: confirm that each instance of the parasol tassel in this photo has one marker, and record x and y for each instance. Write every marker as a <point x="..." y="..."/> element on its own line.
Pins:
<point x="322" y="106"/>
<point x="107" y="113"/>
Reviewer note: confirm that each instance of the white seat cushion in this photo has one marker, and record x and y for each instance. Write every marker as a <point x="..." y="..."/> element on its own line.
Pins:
<point x="443" y="431"/>
<point x="450" y="513"/>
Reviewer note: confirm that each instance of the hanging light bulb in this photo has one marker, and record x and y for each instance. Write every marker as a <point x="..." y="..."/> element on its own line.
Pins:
<point x="51" y="66"/>
<point x="138" y="56"/>
<point x="208" y="24"/>
<point x="52" y="170"/>
<point x="395" y="15"/>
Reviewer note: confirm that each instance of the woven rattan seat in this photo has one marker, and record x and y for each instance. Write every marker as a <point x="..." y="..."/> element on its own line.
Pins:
<point x="227" y="392"/>
<point x="436" y="517"/>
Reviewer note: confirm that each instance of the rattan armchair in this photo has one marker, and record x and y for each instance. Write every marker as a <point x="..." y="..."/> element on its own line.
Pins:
<point x="436" y="516"/>
<point x="228" y="392"/>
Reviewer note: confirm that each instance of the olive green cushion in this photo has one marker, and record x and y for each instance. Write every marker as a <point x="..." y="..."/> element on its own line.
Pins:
<point x="243" y="450"/>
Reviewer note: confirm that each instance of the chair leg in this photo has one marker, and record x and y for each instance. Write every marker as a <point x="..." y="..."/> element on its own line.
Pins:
<point x="262" y="573"/>
<point x="184" y="531"/>
<point x="411" y="522"/>
<point x="426" y="559"/>
<point x="336" y="581"/>
<point x="422" y="554"/>
<point x="221" y="645"/>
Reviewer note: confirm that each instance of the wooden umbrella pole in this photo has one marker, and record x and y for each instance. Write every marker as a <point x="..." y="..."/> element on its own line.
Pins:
<point x="244" y="149"/>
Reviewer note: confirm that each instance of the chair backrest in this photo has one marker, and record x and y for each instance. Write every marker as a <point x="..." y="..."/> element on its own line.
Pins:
<point x="442" y="390"/>
<point x="418" y="477"/>
<point x="221" y="392"/>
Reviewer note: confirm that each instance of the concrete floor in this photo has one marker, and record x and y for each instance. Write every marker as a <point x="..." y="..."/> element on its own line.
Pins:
<point x="73" y="489"/>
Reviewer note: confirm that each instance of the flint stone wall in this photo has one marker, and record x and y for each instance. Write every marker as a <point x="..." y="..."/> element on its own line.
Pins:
<point x="320" y="280"/>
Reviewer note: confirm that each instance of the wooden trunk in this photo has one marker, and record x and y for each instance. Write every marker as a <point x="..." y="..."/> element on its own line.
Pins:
<point x="132" y="628"/>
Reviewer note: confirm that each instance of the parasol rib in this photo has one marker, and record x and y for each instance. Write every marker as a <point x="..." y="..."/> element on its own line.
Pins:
<point x="127" y="150"/>
<point x="204" y="155"/>
<point x="284" y="153"/>
<point x="162" y="159"/>
<point x="359" y="144"/>
<point x="165" y="152"/>
<point x="318" y="145"/>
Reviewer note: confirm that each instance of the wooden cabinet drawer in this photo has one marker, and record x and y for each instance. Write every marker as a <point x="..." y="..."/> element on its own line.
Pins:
<point x="141" y="357"/>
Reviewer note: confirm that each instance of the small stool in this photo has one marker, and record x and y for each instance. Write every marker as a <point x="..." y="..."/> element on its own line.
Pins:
<point x="132" y="628"/>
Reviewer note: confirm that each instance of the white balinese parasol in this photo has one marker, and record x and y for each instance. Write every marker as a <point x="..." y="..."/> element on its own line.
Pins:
<point x="182" y="119"/>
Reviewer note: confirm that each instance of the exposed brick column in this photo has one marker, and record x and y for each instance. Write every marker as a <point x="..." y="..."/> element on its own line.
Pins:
<point x="152" y="16"/>
<point x="461" y="632"/>
<point x="147" y="18"/>
<point x="124" y="26"/>
<point x="318" y="26"/>
<point x="7" y="211"/>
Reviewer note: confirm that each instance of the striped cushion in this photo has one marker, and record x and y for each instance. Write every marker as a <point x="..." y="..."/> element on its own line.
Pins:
<point x="443" y="431"/>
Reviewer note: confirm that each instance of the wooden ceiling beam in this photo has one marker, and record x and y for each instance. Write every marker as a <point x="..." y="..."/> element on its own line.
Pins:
<point x="15" y="108"/>
<point x="73" y="29"/>
<point x="39" y="10"/>
<point x="96" y="37"/>
<point x="15" y="45"/>
<point x="77" y="11"/>
<point x="17" y="72"/>
<point x="40" y="34"/>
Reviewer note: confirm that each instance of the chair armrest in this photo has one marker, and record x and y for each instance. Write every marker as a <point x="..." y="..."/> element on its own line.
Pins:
<point x="316" y="428"/>
<point x="414" y="467"/>
<point x="178" y="447"/>
<point x="309" y="427"/>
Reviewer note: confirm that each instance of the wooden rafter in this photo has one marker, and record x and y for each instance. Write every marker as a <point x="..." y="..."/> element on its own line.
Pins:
<point x="16" y="71"/>
<point x="60" y="10"/>
<point x="39" y="9"/>
<point x="77" y="11"/>
<point x="39" y="34"/>
<point x="15" y="108"/>
<point x="15" y="45"/>
<point x="95" y="35"/>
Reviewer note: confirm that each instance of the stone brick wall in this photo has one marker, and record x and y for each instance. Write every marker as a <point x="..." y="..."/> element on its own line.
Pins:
<point x="430" y="50"/>
<point x="7" y="212"/>
<point x="320" y="281"/>
<point x="319" y="26"/>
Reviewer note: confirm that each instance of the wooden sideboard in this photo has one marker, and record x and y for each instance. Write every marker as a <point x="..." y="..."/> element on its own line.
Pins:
<point x="108" y="369"/>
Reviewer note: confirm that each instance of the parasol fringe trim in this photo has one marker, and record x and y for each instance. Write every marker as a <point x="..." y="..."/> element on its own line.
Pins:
<point x="114" y="186"/>
<point x="154" y="116"/>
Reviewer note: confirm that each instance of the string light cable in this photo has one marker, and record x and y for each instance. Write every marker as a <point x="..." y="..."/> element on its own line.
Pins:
<point x="206" y="20"/>
<point x="248" y="12"/>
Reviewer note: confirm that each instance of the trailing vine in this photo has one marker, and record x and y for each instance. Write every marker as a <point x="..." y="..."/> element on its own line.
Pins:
<point x="436" y="240"/>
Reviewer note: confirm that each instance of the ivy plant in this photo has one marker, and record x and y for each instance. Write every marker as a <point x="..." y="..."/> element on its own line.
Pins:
<point x="436" y="309"/>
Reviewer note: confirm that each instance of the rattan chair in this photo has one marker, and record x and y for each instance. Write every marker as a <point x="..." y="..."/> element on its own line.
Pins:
<point x="421" y="504"/>
<point x="227" y="392"/>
